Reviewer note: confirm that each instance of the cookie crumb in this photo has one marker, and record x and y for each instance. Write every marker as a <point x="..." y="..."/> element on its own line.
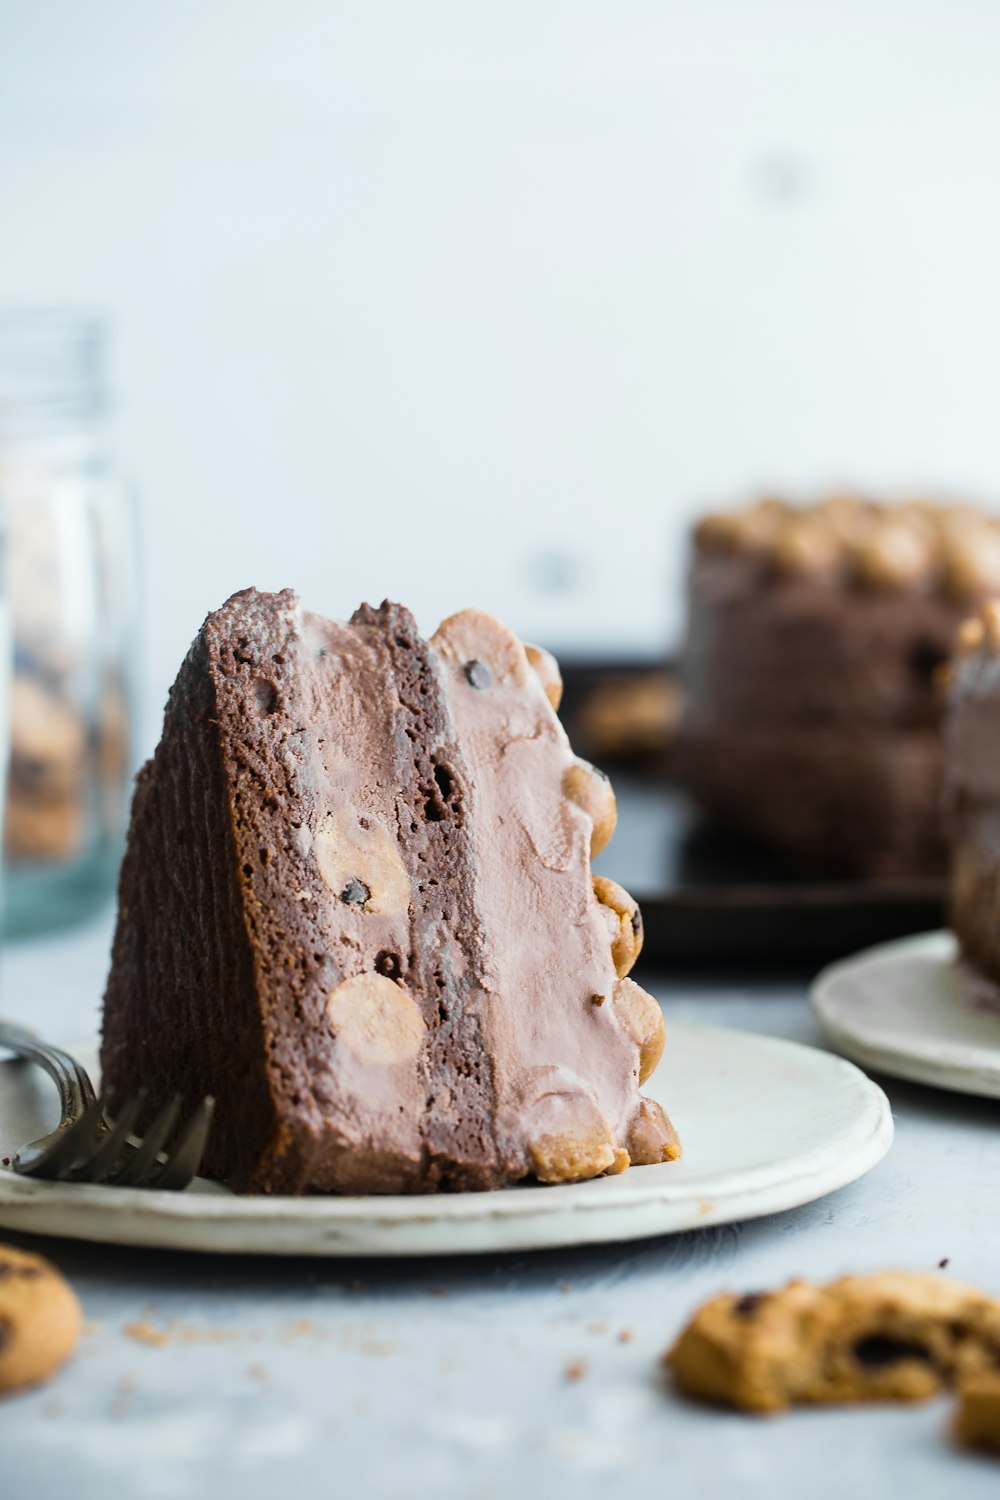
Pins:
<point x="599" y="1327"/>
<point x="576" y="1369"/>
<point x="977" y="1415"/>
<point x="145" y="1333"/>
<point x="625" y="1336"/>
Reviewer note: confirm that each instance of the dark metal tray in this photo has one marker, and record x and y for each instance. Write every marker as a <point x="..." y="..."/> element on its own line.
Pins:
<point x="712" y="900"/>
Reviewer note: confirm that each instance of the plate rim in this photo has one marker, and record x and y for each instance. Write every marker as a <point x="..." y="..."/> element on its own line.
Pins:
<point x="912" y="1058"/>
<point x="516" y="1219"/>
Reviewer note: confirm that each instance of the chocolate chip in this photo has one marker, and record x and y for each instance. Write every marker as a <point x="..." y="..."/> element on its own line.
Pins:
<point x="880" y="1349"/>
<point x="355" y="893"/>
<point x="598" y="999"/>
<point x="388" y="964"/>
<point x="8" y="1270"/>
<point x="478" y="674"/>
<point x="746" y="1306"/>
<point x="943" y="1262"/>
<point x="5" y="1334"/>
<point x="637" y="921"/>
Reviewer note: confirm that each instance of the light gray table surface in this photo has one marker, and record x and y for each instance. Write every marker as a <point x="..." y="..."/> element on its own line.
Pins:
<point x="203" y="1376"/>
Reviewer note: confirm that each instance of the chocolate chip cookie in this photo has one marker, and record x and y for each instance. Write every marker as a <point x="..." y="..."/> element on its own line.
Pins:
<point x="39" y="1319"/>
<point x="896" y="1336"/>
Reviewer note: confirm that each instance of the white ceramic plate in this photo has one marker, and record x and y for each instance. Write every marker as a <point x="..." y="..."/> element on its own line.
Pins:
<point x="766" y="1125"/>
<point x="910" y="1009"/>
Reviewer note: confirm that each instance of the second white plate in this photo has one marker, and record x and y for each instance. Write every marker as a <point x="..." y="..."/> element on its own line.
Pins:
<point x="766" y="1125"/>
<point x="911" y="1009"/>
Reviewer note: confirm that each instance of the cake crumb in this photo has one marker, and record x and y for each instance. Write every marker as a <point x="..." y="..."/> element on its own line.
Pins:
<point x="145" y="1333"/>
<point x="625" y="1336"/>
<point x="576" y="1369"/>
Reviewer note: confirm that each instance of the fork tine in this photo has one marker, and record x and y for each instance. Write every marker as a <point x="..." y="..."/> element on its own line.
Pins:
<point x="73" y="1143"/>
<point x="103" y="1161"/>
<point x="185" y="1158"/>
<point x="144" y="1156"/>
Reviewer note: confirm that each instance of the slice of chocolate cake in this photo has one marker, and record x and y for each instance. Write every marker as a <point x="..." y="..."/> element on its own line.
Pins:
<point x="357" y="908"/>
<point x="813" y="711"/>
<point x="973" y="790"/>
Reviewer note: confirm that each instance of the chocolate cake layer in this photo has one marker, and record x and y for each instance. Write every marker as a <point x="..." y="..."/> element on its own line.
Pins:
<point x="799" y="652"/>
<point x="357" y="908"/>
<point x="973" y="792"/>
<point x="836" y="800"/>
<point x="816" y="636"/>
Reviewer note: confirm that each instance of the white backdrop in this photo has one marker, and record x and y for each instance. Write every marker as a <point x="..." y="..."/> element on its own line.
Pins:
<point x="479" y="303"/>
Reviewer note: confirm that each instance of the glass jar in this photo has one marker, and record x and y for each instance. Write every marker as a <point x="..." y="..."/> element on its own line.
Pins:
<point x="71" y="576"/>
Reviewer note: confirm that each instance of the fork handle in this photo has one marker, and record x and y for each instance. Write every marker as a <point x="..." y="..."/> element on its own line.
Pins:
<point x="76" y="1092"/>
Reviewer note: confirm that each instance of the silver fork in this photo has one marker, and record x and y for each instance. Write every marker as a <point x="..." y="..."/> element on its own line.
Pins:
<point x="86" y="1146"/>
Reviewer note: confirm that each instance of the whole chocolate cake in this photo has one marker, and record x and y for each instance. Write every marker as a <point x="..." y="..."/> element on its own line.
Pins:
<point x="813" y="707"/>
<point x="357" y="908"/>
<point x="973" y="788"/>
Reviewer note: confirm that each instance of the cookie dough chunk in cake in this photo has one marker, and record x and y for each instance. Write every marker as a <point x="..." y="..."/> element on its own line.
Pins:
<point x="813" y="710"/>
<point x="973" y="790"/>
<point x="357" y="907"/>
<point x="894" y="1336"/>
